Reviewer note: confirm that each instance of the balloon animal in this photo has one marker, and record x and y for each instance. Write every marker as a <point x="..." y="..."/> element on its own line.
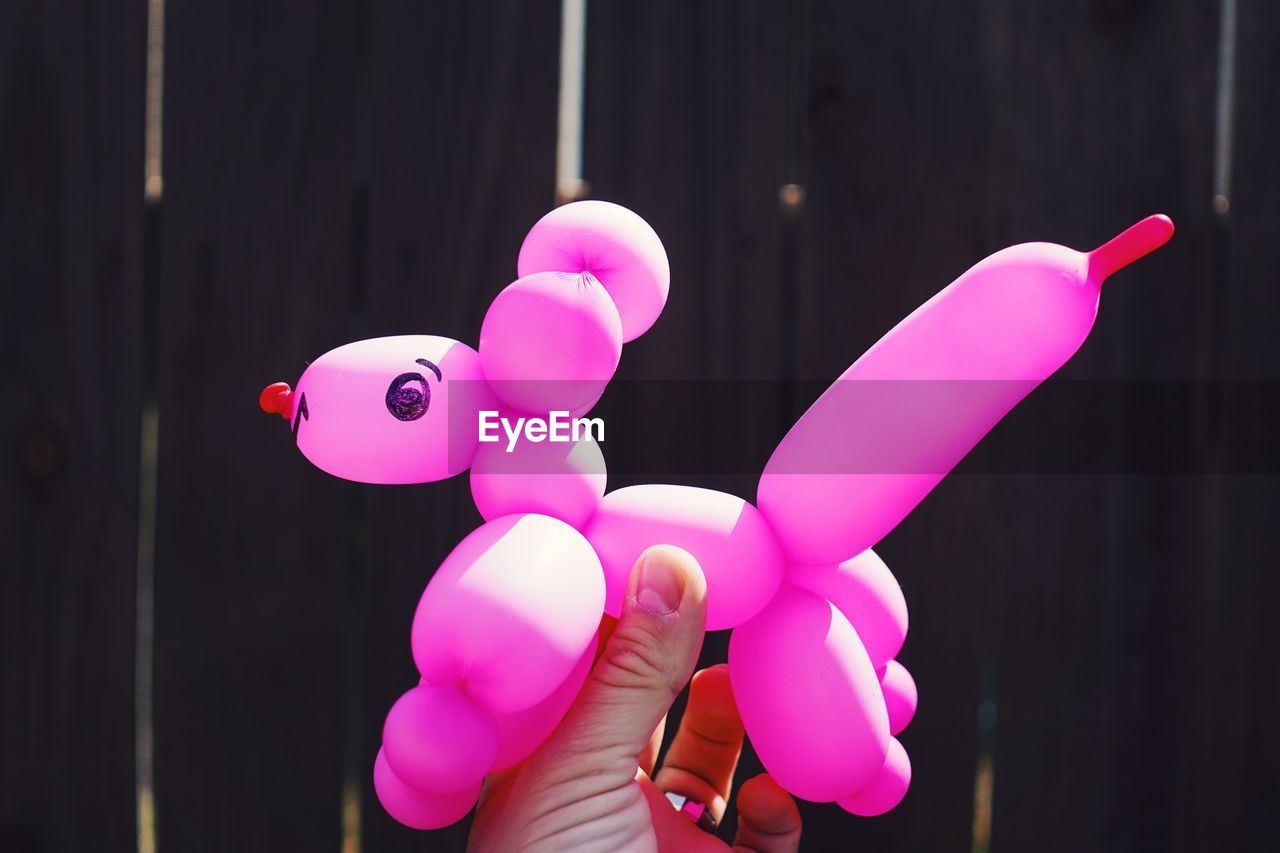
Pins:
<point x="505" y="631"/>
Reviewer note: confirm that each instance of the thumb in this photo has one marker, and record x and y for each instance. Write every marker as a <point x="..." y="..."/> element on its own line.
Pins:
<point x="645" y="663"/>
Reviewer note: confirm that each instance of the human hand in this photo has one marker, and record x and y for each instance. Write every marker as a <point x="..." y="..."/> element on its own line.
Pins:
<point x="590" y="785"/>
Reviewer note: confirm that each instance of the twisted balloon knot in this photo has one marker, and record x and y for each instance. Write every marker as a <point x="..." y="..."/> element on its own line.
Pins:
<point x="277" y="398"/>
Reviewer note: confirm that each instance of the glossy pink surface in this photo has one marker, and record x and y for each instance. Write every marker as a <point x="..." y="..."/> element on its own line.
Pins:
<point x="901" y="417"/>
<point x="564" y="481"/>
<point x="900" y="695"/>
<point x="551" y="341"/>
<point x="809" y="697"/>
<point x="350" y="430"/>
<point x="510" y="611"/>
<point x="436" y="739"/>
<point x="418" y="809"/>
<point x="520" y="732"/>
<point x="617" y="247"/>
<point x="865" y="591"/>
<point x="733" y="545"/>
<point x="886" y="790"/>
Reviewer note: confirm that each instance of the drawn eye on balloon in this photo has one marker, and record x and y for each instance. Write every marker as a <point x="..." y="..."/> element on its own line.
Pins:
<point x="409" y="395"/>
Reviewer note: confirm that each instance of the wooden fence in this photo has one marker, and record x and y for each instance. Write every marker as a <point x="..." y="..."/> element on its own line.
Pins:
<point x="1096" y="652"/>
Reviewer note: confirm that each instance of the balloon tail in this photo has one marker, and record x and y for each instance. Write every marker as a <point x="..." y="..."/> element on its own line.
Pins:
<point x="1134" y="242"/>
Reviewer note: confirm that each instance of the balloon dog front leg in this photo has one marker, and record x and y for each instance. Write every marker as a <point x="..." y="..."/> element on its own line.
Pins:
<point x="503" y="637"/>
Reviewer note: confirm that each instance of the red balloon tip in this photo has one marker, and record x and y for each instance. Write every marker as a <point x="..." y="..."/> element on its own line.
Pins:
<point x="277" y="398"/>
<point x="1134" y="242"/>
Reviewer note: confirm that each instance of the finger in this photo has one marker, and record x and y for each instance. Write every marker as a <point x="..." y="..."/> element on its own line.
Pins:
<point x="646" y="662"/>
<point x="607" y="625"/>
<point x="493" y="797"/>
<point x="649" y="755"/>
<point x="674" y="831"/>
<point x="500" y="778"/>
<point x="768" y="819"/>
<point x="704" y="753"/>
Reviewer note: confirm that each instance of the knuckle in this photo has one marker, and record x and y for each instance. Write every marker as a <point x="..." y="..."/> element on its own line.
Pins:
<point x="635" y="658"/>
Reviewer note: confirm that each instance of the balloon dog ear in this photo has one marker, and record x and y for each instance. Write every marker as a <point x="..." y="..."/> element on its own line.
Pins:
<point x="593" y="275"/>
<point x="613" y="245"/>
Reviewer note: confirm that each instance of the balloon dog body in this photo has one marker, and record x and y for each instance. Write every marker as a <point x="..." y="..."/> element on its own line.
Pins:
<point x="505" y="631"/>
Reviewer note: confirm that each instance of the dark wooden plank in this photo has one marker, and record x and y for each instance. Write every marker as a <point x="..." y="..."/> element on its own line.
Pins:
<point x="685" y="124"/>
<point x="1239" y="747"/>
<point x="1110" y="117"/>
<point x="72" y="80"/>
<point x="253" y="545"/>
<point x="902" y="121"/>
<point x="462" y="163"/>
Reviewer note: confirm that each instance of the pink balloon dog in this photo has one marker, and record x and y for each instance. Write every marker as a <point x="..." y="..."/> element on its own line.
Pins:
<point x="504" y="633"/>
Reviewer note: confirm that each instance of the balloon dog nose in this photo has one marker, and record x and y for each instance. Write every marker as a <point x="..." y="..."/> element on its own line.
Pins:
<point x="277" y="398"/>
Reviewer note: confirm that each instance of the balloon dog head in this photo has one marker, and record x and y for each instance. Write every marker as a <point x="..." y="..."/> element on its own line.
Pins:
<point x="592" y="276"/>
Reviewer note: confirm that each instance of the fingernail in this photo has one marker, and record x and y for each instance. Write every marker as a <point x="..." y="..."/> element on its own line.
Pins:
<point x="660" y="588"/>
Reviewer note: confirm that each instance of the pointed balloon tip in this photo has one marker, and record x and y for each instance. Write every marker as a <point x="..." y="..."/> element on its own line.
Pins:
<point x="1136" y="241"/>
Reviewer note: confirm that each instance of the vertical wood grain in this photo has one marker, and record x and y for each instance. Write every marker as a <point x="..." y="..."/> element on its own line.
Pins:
<point x="253" y="541"/>
<point x="71" y="221"/>
<point x="1239" y="747"/>
<point x="1111" y="109"/>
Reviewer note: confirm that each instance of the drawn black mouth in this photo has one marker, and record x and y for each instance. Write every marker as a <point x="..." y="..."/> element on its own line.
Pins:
<point x="301" y="415"/>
